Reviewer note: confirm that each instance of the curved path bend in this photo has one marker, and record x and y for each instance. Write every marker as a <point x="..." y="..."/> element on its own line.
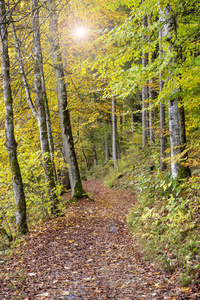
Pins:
<point x="88" y="254"/>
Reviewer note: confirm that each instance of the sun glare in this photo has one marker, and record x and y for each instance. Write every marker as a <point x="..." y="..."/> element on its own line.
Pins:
<point x="80" y="32"/>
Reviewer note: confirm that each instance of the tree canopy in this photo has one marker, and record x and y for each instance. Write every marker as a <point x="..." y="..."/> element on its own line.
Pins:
<point x="99" y="48"/>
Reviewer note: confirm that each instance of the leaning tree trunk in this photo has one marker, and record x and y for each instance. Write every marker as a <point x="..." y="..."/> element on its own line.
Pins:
<point x="41" y="109"/>
<point x="11" y="144"/>
<point x="68" y="144"/>
<point x="176" y="109"/>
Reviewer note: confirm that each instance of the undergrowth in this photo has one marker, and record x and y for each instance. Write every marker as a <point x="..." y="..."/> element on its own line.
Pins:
<point x="165" y="218"/>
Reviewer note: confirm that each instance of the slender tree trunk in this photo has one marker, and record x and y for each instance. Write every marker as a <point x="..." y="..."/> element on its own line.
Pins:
<point x="68" y="144"/>
<point x="50" y="138"/>
<point x="163" y="164"/>
<point x="94" y="155"/>
<point x="107" y="151"/>
<point x="145" y="94"/>
<point x="176" y="110"/>
<point x="65" y="181"/>
<point x="114" y="131"/>
<point x="11" y="144"/>
<point x="132" y="116"/>
<point x="41" y="104"/>
<point x="151" y="98"/>
<point x="86" y="160"/>
<point x="107" y="138"/>
<point x="29" y="99"/>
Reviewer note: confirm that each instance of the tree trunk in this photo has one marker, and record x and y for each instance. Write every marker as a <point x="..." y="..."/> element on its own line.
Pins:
<point x="176" y="110"/>
<point x="68" y="144"/>
<point x="114" y="131"/>
<point x="107" y="138"/>
<point x="177" y="139"/>
<point x="163" y="164"/>
<point x="145" y="93"/>
<point x="11" y="144"/>
<point x="41" y="104"/>
<point x="132" y="116"/>
<point x="94" y="155"/>
<point x="50" y="138"/>
<point x="29" y="99"/>
<point x="65" y="179"/>
<point x="151" y="98"/>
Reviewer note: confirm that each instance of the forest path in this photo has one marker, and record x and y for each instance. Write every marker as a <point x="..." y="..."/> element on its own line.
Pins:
<point x="88" y="254"/>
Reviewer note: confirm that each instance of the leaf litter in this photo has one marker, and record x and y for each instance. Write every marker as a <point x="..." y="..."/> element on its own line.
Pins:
<point x="88" y="254"/>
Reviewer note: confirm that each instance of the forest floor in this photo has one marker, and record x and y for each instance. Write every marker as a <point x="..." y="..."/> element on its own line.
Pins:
<point x="88" y="254"/>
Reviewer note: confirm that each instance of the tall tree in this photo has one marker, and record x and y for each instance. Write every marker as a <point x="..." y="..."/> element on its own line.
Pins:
<point x="145" y="94"/>
<point x="175" y="105"/>
<point x="68" y="144"/>
<point x="114" y="131"/>
<point x="41" y="105"/>
<point x="107" y="149"/>
<point x="163" y="164"/>
<point x="29" y="98"/>
<point x="21" y="221"/>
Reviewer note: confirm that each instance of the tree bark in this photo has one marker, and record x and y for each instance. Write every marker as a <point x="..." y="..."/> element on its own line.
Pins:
<point x="163" y="164"/>
<point x="41" y="104"/>
<point x="29" y="99"/>
<point x="11" y="145"/>
<point x="94" y="155"/>
<point x="175" y="109"/>
<point x="68" y="144"/>
<point x="114" y="132"/>
<point x="132" y="115"/>
<point x="107" y="150"/>
<point x="145" y="93"/>
<point x="151" y="98"/>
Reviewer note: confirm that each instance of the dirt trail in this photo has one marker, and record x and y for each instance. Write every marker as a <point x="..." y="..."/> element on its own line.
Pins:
<point x="88" y="254"/>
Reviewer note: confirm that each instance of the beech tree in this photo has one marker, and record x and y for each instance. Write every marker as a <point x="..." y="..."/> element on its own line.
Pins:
<point x="42" y="106"/>
<point x="66" y="131"/>
<point x="11" y="143"/>
<point x="163" y="164"/>
<point x="114" y="131"/>
<point x="40" y="109"/>
<point x="145" y="94"/>
<point x="175" y="106"/>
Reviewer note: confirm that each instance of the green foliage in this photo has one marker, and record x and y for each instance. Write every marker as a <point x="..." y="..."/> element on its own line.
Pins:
<point x="99" y="171"/>
<point x="165" y="217"/>
<point x="36" y="190"/>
